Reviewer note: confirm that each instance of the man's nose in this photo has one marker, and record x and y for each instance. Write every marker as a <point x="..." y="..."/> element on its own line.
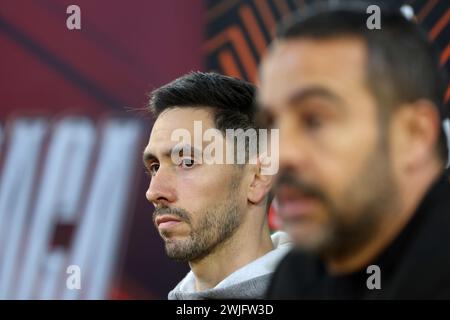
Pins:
<point x="162" y="188"/>
<point x="293" y="148"/>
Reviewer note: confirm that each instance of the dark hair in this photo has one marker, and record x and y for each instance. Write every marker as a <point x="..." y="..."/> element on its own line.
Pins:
<point x="231" y="99"/>
<point x="402" y="64"/>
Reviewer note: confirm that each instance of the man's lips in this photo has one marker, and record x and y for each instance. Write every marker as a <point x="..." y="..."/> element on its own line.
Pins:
<point x="298" y="208"/>
<point x="294" y="204"/>
<point x="166" y="221"/>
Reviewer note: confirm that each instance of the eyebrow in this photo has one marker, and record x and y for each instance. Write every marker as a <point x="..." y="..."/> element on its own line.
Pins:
<point x="148" y="156"/>
<point x="301" y="95"/>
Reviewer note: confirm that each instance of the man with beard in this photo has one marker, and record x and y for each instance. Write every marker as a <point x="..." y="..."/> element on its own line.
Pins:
<point x="211" y="215"/>
<point x="362" y="189"/>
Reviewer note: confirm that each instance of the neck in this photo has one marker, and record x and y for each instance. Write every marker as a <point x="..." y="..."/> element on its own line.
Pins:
<point x="250" y="241"/>
<point x="411" y="191"/>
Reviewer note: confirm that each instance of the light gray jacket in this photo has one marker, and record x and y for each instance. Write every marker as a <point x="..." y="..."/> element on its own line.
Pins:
<point x="249" y="282"/>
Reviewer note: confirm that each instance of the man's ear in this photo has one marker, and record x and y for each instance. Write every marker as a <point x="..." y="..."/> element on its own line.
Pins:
<point x="260" y="184"/>
<point x="416" y="129"/>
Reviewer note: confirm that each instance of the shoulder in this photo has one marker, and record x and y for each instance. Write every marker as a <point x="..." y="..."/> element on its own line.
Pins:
<point x="295" y="271"/>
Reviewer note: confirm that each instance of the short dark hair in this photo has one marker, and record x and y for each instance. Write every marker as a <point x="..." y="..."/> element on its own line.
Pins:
<point x="402" y="65"/>
<point x="231" y="99"/>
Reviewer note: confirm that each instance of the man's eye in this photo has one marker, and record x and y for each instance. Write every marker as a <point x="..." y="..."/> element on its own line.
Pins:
<point x="187" y="163"/>
<point x="153" y="169"/>
<point x="312" y="121"/>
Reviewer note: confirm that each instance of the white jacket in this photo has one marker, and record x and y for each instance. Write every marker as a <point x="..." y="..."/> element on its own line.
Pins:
<point x="249" y="282"/>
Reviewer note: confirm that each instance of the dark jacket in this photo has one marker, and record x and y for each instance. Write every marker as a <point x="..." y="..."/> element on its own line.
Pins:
<point x="416" y="265"/>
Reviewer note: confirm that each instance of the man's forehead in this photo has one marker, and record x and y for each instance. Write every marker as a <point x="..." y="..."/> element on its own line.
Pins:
<point x="309" y="54"/>
<point x="182" y="118"/>
<point x="188" y="119"/>
<point x="307" y="62"/>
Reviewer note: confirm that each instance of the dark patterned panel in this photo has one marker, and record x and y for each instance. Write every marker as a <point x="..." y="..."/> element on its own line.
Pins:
<point x="238" y="31"/>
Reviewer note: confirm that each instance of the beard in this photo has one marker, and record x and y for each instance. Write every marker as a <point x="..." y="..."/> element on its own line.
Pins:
<point x="354" y="219"/>
<point x="215" y="226"/>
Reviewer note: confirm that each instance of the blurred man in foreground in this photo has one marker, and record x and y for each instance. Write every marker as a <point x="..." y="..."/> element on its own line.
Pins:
<point x="210" y="213"/>
<point x="362" y="189"/>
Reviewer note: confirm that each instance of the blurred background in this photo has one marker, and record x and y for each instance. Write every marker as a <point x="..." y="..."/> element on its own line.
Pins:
<point x="73" y="126"/>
